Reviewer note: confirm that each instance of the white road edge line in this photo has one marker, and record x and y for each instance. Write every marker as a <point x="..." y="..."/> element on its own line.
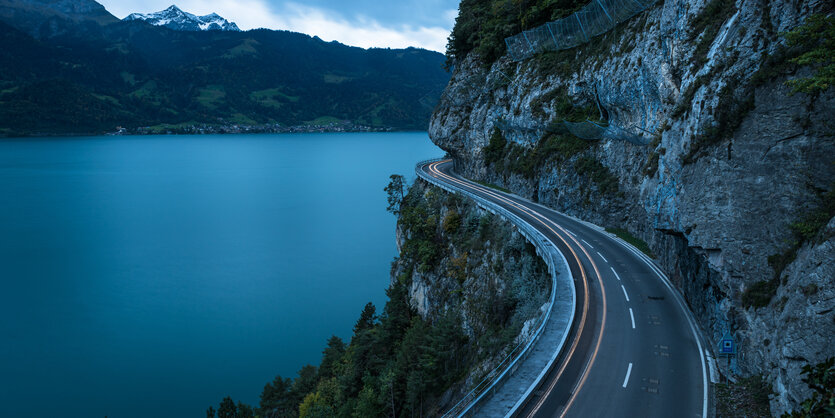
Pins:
<point x="601" y="256"/>
<point x="628" y="372"/>
<point x="714" y="376"/>
<point x="624" y="293"/>
<point x="587" y="243"/>
<point x="631" y="315"/>
<point x="616" y="273"/>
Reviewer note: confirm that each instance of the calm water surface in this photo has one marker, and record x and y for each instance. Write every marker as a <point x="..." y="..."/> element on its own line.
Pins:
<point x="152" y="276"/>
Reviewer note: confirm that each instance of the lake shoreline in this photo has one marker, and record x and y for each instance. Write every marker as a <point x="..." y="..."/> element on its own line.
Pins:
<point x="219" y="130"/>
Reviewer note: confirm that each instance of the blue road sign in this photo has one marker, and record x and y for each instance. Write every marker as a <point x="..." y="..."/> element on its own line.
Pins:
<point x="726" y="346"/>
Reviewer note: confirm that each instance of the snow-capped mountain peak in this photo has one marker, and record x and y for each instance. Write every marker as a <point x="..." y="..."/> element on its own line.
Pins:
<point x="174" y="18"/>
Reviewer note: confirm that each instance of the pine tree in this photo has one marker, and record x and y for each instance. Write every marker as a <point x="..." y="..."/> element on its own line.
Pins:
<point x="227" y="408"/>
<point x="276" y="399"/>
<point x="304" y="384"/>
<point x="244" y="411"/>
<point x="331" y="355"/>
<point x="367" y="318"/>
<point x="396" y="191"/>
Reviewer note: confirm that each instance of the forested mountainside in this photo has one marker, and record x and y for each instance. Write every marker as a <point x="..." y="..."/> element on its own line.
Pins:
<point x="701" y="126"/>
<point x="79" y="76"/>
<point x="43" y="18"/>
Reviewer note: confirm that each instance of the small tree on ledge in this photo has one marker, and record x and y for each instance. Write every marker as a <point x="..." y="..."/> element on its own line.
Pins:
<point x="396" y="191"/>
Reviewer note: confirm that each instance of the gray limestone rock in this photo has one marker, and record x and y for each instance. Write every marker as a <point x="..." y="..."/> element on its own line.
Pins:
<point x="712" y="212"/>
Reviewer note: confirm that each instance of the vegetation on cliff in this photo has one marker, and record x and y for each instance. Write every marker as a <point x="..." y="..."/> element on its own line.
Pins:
<point x="632" y="239"/>
<point x="820" y="378"/>
<point x="815" y="40"/>
<point x="392" y="365"/>
<point x="747" y="397"/>
<point x="809" y="45"/>
<point x="483" y="25"/>
<point x="707" y="25"/>
<point x="509" y="158"/>
<point x="400" y="362"/>
<point x="477" y="264"/>
<point x="809" y="228"/>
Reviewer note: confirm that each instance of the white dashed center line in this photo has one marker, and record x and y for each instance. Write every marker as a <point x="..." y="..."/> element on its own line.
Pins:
<point x="632" y="316"/>
<point x="601" y="256"/>
<point x="587" y="243"/>
<point x="616" y="273"/>
<point x="624" y="293"/>
<point x="628" y="372"/>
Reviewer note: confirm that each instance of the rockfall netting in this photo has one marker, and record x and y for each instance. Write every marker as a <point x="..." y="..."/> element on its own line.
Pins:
<point x="587" y="130"/>
<point x="596" y="18"/>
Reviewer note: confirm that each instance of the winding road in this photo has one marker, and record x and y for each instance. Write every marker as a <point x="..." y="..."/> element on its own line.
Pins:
<point x="634" y="349"/>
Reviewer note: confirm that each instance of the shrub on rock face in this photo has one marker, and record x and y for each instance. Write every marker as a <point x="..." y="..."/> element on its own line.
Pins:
<point x="816" y="37"/>
<point x="452" y="222"/>
<point x="494" y="151"/>
<point x="759" y="294"/>
<point x="821" y="379"/>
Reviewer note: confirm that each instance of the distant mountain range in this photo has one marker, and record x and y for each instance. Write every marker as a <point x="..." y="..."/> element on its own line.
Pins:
<point x="69" y="66"/>
<point x="174" y="18"/>
<point x="47" y="18"/>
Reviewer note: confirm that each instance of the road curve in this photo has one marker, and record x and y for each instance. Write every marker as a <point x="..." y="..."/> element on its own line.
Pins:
<point x="634" y="348"/>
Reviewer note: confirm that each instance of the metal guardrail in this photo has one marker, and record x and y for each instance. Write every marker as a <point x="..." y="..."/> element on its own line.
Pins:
<point x="549" y="254"/>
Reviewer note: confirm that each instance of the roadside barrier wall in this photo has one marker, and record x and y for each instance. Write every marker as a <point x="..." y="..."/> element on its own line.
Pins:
<point x="470" y="403"/>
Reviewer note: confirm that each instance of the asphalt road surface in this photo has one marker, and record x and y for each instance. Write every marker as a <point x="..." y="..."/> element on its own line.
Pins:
<point x="634" y="349"/>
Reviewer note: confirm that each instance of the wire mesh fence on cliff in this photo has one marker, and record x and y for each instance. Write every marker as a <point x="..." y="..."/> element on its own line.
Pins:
<point x="596" y="18"/>
<point x="588" y="130"/>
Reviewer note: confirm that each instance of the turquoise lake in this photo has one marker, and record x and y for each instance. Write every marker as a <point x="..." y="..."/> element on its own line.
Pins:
<point x="152" y="276"/>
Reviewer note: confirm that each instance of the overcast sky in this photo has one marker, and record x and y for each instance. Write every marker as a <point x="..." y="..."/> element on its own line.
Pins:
<point x="364" y="23"/>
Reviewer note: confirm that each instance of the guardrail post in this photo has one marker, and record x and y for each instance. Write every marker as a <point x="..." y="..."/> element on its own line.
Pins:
<point x="530" y="46"/>
<point x="507" y="45"/>
<point x="548" y="25"/>
<point x="604" y="11"/>
<point x="586" y="37"/>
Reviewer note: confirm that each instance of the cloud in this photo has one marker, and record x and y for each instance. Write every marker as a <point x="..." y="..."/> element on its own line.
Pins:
<point x="360" y="30"/>
<point x="450" y="16"/>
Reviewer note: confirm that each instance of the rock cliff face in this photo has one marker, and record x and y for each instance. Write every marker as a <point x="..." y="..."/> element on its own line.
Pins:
<point x="732" y="159"/>
<point x="457" y="259"/>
